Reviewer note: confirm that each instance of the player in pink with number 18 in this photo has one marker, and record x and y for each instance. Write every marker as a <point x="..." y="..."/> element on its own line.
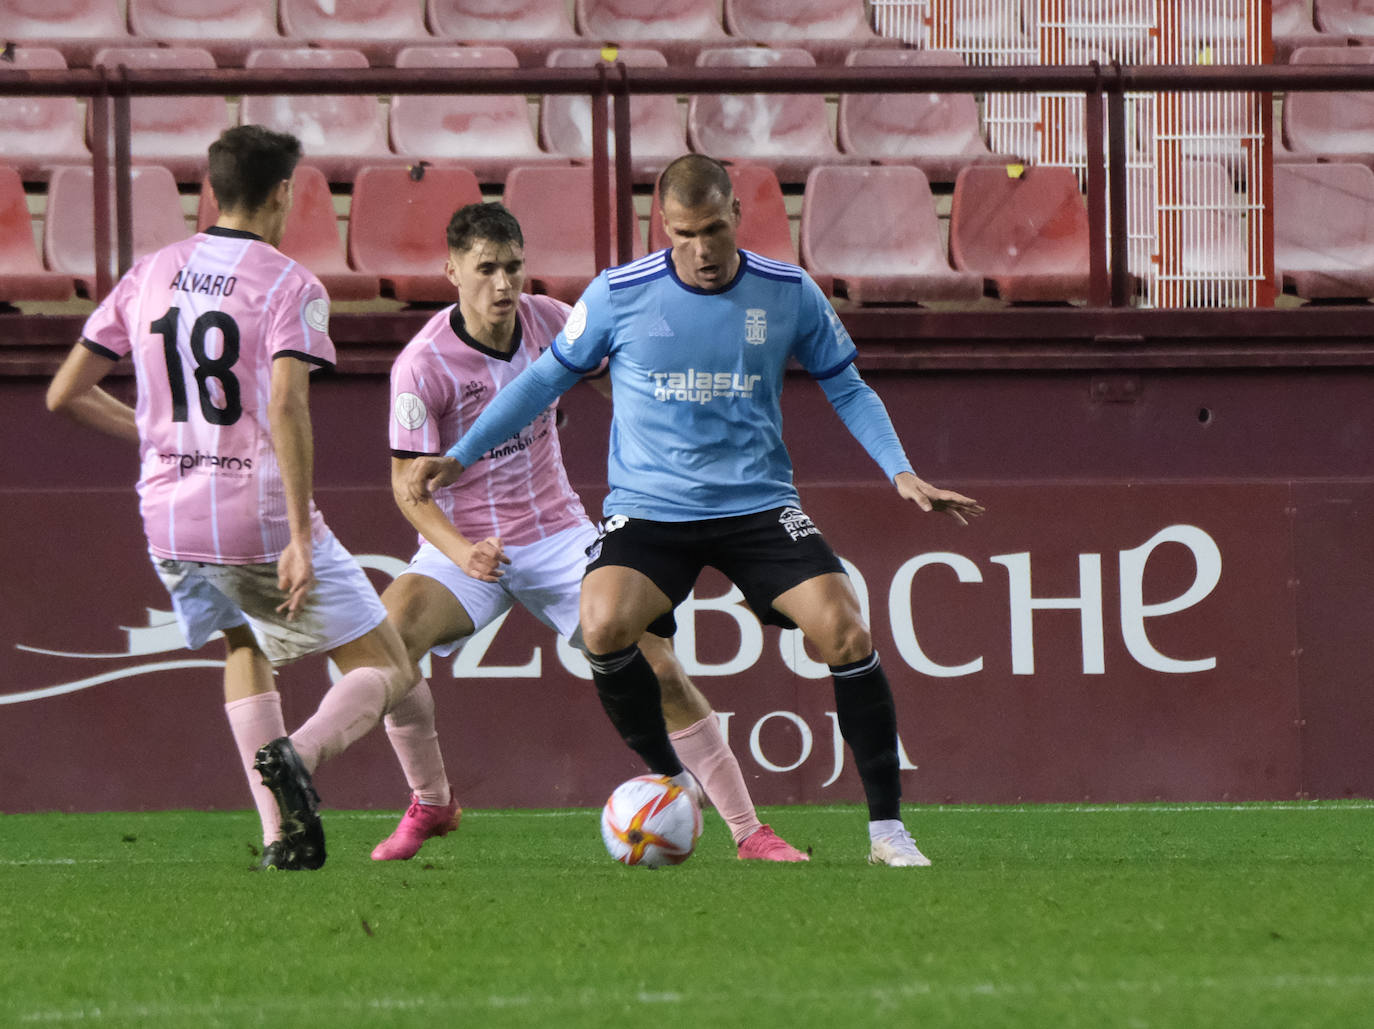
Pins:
<point x="223" y="331"/>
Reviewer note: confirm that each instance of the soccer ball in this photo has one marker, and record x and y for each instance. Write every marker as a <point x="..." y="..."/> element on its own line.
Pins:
<point x="650" y="822"/>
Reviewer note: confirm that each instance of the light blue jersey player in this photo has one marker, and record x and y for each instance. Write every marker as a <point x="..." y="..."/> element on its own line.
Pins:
<point x="698" y="338"/>
<point x="697" y="378"/>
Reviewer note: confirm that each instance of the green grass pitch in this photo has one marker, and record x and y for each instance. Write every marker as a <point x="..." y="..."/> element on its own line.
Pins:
<point x="1137" y="916"/>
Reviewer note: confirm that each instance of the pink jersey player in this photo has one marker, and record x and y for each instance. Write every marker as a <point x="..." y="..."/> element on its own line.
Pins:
<point x="204" y="320"/>
<point x="441" y="382"/>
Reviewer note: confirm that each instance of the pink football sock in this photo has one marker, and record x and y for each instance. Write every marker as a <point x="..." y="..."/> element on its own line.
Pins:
<point x="701" y="747"/>
<point x="347" y="712"/>
<point x="254" y="721"/>
<point x="410" y="727"/>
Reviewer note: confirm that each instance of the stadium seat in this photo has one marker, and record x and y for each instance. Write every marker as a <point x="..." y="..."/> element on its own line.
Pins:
<point x="396" y="227"/>
<point x="1350" y="18"/>
<point x="939" y="133"/>
<point x="872" y="235"/>
<point x="378" y="28"/>
<point x="37" y="132"/>
<point x="1026" y="235"/>
<point x="488" y="134"/>
<point x="174" y="132"/>
<point x="1292" y="27"/>
<point x="789" y="132"/>
<point x="656" y="129"/>
<point x="529" y="28"/>
<point x="764" y="227"/>
<point x="1324" y="230"/>
<point x="69" y="221"/>
<point x="1330" y="126"/>
<point x="22" y="275"/>
<point x="339" y="133"/>
<point x="229" y="29"/>
<point x="679" y="31"/>
<point x="311" y="235"/>
<point x="74" y="28"/>
<point x="554" y="206"/>
<point x="827" y="29"/>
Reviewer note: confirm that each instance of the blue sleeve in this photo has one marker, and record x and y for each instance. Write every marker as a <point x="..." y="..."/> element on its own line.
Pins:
<point x="866" y="418"/>
<point x="823" y="345"/>
<point x="518" y="404"/>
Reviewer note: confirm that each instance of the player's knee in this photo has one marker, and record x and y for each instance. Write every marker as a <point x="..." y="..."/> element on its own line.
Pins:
<point x="843" y="642"/>
<point x="603" y="632"/>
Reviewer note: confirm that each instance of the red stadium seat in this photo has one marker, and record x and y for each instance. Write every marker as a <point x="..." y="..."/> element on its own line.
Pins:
<point x="554" y="206"/>
<point x="530" y="28"/>
<point x="396" y="227"/>
<point x="828" y="29"/>
<point x="229" y="29"/>
<point x="174" y="132"/>
<point x="69" y="222"/>
<point x="1330" y="126"/>
<point x="75" y="28"/>
<point x="940" y="133"/>
<point x="378" y="28"/>
<point x="788" y="132"/>
<point x="488" y="134"/>
<point x="40" y="131"/>
<point x="656" y="130"/>
<point x="679" y="31"/>
<point x="310" y="236"/>
<point x="22" y="275"/>
<point x="1026" y="235"/>
<point x="764" y="227"/>
<point x="872" y="235"/>
<point x="339" y="133"/>
<point x="1343" y="17"/>
<point x="1324" y="230"/>
<point x="1292" y="27"/>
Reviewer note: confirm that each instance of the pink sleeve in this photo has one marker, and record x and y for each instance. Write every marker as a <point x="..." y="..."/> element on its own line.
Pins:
<point x="301" y="325"/>
<point x="418" y="399"/>
<point x="106" y="327"/>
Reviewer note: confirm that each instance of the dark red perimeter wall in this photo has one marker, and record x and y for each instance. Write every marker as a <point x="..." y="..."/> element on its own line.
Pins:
<point x="1169" y="598"/>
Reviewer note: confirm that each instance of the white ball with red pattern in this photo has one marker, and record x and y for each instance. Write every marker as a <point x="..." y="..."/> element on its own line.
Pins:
<point x="649" y="822"/>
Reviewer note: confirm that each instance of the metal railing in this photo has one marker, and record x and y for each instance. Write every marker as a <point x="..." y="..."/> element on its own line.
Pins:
<point x="1104" y="87"/>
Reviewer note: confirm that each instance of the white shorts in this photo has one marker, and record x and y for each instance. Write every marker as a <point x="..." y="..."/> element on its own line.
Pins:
<point x="340" y="607"/>
<point x="544" y="577"/>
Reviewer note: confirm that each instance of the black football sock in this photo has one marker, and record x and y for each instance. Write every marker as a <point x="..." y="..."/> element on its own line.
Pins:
<point x="868" y="723"/>
<point x="629" y="693"/>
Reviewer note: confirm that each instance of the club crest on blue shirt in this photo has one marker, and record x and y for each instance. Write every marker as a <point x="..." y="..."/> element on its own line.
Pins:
<point x="756" y="326"/>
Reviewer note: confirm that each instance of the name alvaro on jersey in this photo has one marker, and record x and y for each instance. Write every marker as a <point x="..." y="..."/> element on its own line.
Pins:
<point x="204" y="282"/>
<point x="699" y="387"/>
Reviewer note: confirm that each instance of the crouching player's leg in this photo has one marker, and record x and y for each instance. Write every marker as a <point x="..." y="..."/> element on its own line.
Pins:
<point x="700" y="744"/>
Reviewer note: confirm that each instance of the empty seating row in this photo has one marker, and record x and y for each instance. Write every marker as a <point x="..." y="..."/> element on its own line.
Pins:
<point x="870" y="235"/>
<point x="1306" y="23"/>
<point x="791" y="133"/>
<point x="232" y="28"/>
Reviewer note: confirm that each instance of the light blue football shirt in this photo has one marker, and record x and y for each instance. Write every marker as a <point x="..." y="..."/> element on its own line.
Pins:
<point x="697" y="377"/>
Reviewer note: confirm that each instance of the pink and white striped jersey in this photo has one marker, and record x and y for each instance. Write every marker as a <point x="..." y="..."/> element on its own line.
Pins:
<point x="441" y="382"/>
<point x="203" y="320"/>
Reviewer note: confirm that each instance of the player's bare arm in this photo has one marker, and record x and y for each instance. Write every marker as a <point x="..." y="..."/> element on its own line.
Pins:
<point x="428" y="474"/>
<point x="931" y="498"/>
<point x="293" y="443"/>
<point x="74" y="392"/>
<point x="481" y="560"/>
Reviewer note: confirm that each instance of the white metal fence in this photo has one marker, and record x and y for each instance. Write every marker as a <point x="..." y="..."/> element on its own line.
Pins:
<point x="1197" y="163"/>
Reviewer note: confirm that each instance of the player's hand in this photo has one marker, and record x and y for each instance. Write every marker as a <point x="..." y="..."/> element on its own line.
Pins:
<point x="427" y="474"/>
<point x="932" y="498"/>
<point x="484" y="560"/>
<point x="295" y="576"/>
